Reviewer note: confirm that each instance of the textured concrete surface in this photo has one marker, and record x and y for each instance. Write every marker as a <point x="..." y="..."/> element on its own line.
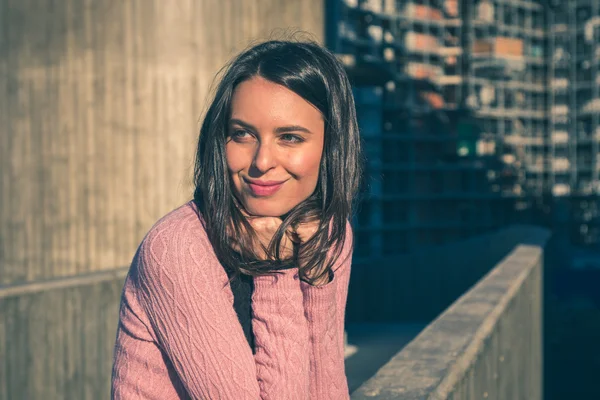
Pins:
<point x="487" y="345"/>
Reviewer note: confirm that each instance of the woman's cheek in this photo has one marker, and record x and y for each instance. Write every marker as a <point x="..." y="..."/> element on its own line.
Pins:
<point x="236" y="157"/>
<point x="293" y="163"/>
<point x="304" y="163"/>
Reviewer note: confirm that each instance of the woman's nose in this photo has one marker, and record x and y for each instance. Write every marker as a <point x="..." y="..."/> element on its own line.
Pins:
<point x="264" y="158"/>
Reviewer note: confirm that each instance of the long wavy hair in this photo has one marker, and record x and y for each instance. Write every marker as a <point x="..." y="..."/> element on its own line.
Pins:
<point x="317" y="76"/>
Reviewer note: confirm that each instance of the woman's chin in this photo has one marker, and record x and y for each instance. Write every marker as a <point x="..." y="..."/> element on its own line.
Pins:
<point x="265" y="210"/>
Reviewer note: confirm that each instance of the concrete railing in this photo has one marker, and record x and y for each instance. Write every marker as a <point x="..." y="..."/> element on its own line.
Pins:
<point x="62" y="331"/>
<point x="486" y="345"/>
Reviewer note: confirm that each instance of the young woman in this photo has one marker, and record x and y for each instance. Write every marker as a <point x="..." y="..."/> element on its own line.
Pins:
<point x="240" y="293"/>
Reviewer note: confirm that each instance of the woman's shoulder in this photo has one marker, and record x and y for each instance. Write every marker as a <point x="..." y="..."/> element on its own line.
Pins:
<point x="180" y="223"/>
<point x="173" y="237"/>
<point x="184" y="215"/>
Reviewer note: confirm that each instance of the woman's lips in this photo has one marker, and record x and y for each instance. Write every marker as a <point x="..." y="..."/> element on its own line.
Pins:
<point x="262" y="189"/>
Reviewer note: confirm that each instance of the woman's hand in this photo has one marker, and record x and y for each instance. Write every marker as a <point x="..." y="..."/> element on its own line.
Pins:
<point x="304" y="231"/>
<point x="265" y="228"/>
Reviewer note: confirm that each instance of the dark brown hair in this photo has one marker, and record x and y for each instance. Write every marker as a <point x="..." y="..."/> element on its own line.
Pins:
<point x="316" y="75"/>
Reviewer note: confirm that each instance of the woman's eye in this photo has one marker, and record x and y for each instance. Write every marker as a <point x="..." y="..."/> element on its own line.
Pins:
<point x="239" y="134"/>
<point x="287" y="137"/>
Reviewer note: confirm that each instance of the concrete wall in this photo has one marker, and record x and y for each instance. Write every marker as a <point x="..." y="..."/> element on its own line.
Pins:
<point x="57" y="342"/>
<point x="487" y="345"/>
<point x="100" y="105"/>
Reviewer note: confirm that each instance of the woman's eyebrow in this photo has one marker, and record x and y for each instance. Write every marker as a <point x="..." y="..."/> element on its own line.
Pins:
<point x="242" y="123"/>
<point x="292" y="128"/>
<point x="281" y="129"/>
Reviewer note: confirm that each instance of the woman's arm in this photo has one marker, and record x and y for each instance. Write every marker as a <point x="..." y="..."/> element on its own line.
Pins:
<point x="325" y="311"/>
<point x="179" y="285"/>
<point x="281" y="337"/>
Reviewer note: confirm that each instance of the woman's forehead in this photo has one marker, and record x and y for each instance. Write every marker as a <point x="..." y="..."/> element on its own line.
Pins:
<point x="261" y="102"/>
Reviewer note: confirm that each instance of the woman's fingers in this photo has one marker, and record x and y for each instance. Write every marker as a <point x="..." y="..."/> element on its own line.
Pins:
<point x="306" y="230"/>
<point x="265" y="228"/>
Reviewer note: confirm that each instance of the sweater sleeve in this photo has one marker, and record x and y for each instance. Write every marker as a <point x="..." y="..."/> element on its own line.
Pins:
<point x="281" y="337"/>
<point x="179" y="285"/>
<point x="324" y="308"/>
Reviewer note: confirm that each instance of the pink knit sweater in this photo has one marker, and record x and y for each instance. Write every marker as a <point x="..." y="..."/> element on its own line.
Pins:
<point x="179" y="336"/>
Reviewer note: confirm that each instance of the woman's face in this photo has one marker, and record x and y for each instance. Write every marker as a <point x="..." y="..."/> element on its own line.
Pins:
<point x="274" y="147"/>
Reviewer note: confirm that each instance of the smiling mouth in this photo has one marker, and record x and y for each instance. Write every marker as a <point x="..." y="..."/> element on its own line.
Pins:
<point x="260" y="189"/>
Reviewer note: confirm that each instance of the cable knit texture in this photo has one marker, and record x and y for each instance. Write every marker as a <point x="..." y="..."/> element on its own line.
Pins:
<point x="179" y="335"/>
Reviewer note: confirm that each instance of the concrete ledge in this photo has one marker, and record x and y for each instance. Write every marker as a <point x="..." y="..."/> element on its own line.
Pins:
<point x="487" y="345"/>
<point x="64" y="282"/>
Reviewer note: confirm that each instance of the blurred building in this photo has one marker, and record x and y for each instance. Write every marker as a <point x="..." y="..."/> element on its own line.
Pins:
<point x="435" y="172"/>
<point x="475" y="114"/>
<point x="574" y="143"/>
<point x="575" y="100"/>
<point x="506" y="81"/>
